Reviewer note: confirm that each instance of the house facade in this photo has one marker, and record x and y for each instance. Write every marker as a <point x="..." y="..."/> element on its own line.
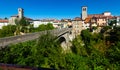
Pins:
<point x="101" y="21"/>
<point x="3" y="22"/>
<point x="77" y="26"/>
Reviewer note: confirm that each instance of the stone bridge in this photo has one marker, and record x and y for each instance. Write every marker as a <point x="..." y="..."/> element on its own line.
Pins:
<point x="61" y="33"/>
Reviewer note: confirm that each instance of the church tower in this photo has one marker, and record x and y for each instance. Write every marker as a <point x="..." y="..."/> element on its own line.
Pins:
<point x="20" y="13"/>
<point x="84" y="12"/>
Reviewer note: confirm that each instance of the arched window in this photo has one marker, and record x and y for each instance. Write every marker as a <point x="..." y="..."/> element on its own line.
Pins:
<point x="84" y="9"/>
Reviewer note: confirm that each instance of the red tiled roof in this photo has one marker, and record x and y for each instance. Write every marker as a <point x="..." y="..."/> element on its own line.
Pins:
<point x="111" y="17"/>
<point x="77" y="19"/>
<point x="28" y="18"/>
<point x="105" y="17"/>
<point x="95" y="15"/>
<point x="100" y="16"/>
<point x="3" y="21"/>
<point x="87" y="20"/>
<point x="56" y="21"/>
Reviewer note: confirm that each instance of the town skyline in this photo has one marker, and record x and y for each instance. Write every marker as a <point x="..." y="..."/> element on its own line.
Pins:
<point x="57" y="8"/>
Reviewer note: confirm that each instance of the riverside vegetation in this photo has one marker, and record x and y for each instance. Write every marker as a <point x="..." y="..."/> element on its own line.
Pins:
<point x="89" y="51"/>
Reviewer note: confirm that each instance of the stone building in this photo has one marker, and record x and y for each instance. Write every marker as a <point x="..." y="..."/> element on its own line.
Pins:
<point x="84" y="13"/>
<point x="77" y="27"/>
<point x="20" y="15"/>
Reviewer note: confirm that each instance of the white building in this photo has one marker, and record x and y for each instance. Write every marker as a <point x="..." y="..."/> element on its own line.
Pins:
<point x="56" y="23"/>
<point x="118" y="20"/>
<point x="85" y="25"/>
<point x="107" y="13"/>
<point x="36" y="23"/>
<point x="3" y="23"/>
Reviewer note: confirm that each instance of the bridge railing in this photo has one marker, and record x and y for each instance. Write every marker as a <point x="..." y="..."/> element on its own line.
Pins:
<point x="30" y="36"/>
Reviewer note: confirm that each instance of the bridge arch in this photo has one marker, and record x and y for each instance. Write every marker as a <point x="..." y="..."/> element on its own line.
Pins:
<point x="61" y="39"/>
<point x="60" y="33"/>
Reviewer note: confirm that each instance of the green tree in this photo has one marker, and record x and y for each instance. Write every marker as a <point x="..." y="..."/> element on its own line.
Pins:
<point x="7" y="31"/>
<point x="47" y="49"/>
<point x="45" y="52"/>
<point x="78" y="47"/>
<point x="88" y="52"/>
<point x="49" y="26"/>
<point x="22" y="22"/>
<point x="76" y="62"/>
<point x="6" y="18"/>
<point x="86" y="36"/>
<point x="113" y="22"/>
<point x="44" y="27"/>
<point x="22" y="25"/>
<point x="114" y="53"/>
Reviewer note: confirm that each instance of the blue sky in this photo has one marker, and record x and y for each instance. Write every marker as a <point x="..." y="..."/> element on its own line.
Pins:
<point x="57" y="8"/>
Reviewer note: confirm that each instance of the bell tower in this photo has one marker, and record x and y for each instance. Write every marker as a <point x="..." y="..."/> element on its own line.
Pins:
<point x="84" y="12"/>
<point x="20" y="13"/>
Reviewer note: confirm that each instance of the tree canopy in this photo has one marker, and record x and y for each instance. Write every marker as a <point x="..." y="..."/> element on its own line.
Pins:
<point x="7" y="31"/>
<point x="89" y="51"/>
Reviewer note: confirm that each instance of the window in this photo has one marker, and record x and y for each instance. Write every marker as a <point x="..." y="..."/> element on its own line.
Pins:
<point x="76" y="26"/>
<point x="102" y="23"/>
<point x="103" y="19"/>
<point x="98" y="23"/>
<point x="84" y="9"/>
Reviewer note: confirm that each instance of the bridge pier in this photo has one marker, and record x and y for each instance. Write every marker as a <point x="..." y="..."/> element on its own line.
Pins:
<point x="65" y="41"/>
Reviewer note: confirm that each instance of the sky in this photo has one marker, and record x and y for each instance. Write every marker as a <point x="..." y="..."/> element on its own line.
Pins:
<point x="40" y="9"/>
